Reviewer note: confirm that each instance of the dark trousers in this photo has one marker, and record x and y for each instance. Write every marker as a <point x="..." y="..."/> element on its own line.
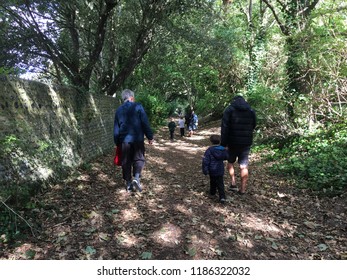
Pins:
<point x="217" y="183"/>
<point x="133" y="159"/>
<point x="182" y="131"/>
<point x="172" y="134"/>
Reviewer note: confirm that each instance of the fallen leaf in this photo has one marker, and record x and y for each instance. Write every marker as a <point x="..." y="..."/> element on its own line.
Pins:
<point x="191" y="251"/>
<point x="30" y="254"/>
<point x="219" y="252"/>
<point x="270" y="239"/>
<point x="310" y="225"/>
<point x="274" y="246"/>
<point x="294" y="249"/>
<point x="90" y="250"/>
<point x="322" y="247"/>
<point x="281" y="195"/>
<point x="104" y="236"/>
<point x="146" y="255"/>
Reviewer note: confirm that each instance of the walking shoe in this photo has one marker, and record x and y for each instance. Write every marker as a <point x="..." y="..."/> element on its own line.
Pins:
<point x="137" y="185"/>
<point x="233" y="188"/>
<point x="129" y="188"/>
<point x="222" y="200"/>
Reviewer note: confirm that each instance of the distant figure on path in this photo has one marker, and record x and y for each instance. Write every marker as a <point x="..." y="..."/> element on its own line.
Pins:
<point x="181" y="126"/>
<point x="187" y="119"/>
<point x="130" y="126"/>
<point x="193" y="123"/>
<point x="238" y="123"/>
<point x="172" y="127"/>
<point x="213" y="165"/>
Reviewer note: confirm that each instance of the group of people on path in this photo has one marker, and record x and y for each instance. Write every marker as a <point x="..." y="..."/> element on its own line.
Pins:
<point x="190" y="121"/>
<point x="131" y="126"/>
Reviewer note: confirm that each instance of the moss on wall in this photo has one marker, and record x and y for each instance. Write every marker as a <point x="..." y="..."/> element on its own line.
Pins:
<point x="45" y="131"/>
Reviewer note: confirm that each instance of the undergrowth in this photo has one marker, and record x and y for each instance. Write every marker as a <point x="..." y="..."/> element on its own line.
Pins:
<point x="317" y="161"/>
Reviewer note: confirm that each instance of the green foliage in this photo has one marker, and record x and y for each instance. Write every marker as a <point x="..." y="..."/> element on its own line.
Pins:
<point x="156" y="108"/>
<point x="20" y="158"/>
<point x="146" y="255"/>
<point x="317" y="161"/>
<point x="14" y="201"/>
<point x="9" y="71"/>
<point x="268" y="104"/>
<point x="7" y="144"/>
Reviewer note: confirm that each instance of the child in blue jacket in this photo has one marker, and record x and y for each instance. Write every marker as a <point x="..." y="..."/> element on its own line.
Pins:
<point x="213" y="165"/>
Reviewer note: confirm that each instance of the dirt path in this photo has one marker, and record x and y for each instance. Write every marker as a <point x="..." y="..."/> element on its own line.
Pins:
<point x="91" y="216"/>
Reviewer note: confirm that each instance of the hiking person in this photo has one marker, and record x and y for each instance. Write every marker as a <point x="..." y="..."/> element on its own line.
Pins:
<point x="238" y="123"/>
<point x="187" y="120"/>
<point x="130" y="126"/>
<point x="193" y="123"/>
<point x="181" y="126"/>
<point x="172" y="126"/>
<point x="213" y="165"/>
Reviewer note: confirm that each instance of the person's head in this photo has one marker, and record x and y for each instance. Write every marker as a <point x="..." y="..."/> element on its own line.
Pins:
<point x="215" y="139"/>
<point x="238" y="98"/>
<point x="128" y="95"/>
<point x="239" y="102"/>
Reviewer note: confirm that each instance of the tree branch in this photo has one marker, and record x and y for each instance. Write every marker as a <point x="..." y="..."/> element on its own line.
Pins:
<point x="281" y="4"/>
<point x="55" y="55"/>
<point x="283" y="28"/>
<point x="99" y="38"/>
<point x="310" y="8"/>
<point x="9" y="208"/>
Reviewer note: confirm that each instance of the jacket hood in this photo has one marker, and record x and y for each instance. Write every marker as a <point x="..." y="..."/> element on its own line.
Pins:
<point x="240" y="103"/>
<point x="218" y="152"/>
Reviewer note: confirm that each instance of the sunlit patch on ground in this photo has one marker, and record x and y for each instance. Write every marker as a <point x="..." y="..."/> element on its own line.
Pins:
<point x="129" y="214"/>
<point x="167" y="235"/>
<point x="183" y="209"/>
<point x="254" y="223"/>
<point x="126" y="239"/>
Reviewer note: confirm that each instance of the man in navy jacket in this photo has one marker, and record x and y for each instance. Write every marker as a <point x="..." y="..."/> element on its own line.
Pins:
<point x="238" y="123"/>
<point x="131" y="125"/>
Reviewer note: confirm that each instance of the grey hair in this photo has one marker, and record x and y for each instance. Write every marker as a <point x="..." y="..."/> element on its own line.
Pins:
<point x="126" y="94"/>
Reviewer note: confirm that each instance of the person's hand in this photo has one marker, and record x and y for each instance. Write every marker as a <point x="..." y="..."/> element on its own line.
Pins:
<point x="150" y="142"/>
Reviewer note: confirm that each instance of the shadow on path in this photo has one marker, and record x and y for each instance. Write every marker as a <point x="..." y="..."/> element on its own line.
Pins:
<point x="90" y="216"/>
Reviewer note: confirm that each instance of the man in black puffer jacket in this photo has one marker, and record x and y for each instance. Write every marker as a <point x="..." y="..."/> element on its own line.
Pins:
<point x="238" y="123"/>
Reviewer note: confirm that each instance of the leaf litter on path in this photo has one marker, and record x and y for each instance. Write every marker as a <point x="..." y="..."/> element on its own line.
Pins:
<point x="93" y="217"/>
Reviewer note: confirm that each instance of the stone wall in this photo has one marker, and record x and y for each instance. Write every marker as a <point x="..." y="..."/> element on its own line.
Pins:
<point x="45" y="131"/>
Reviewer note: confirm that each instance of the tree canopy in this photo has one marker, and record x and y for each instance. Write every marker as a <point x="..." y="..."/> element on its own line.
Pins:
<point x="287" y="57"/>
<point x="84" y="43"/>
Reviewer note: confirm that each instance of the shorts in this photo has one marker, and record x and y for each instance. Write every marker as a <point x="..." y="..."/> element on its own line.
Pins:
<point x="192" y="127"/>
<point x="239" y="152"/>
